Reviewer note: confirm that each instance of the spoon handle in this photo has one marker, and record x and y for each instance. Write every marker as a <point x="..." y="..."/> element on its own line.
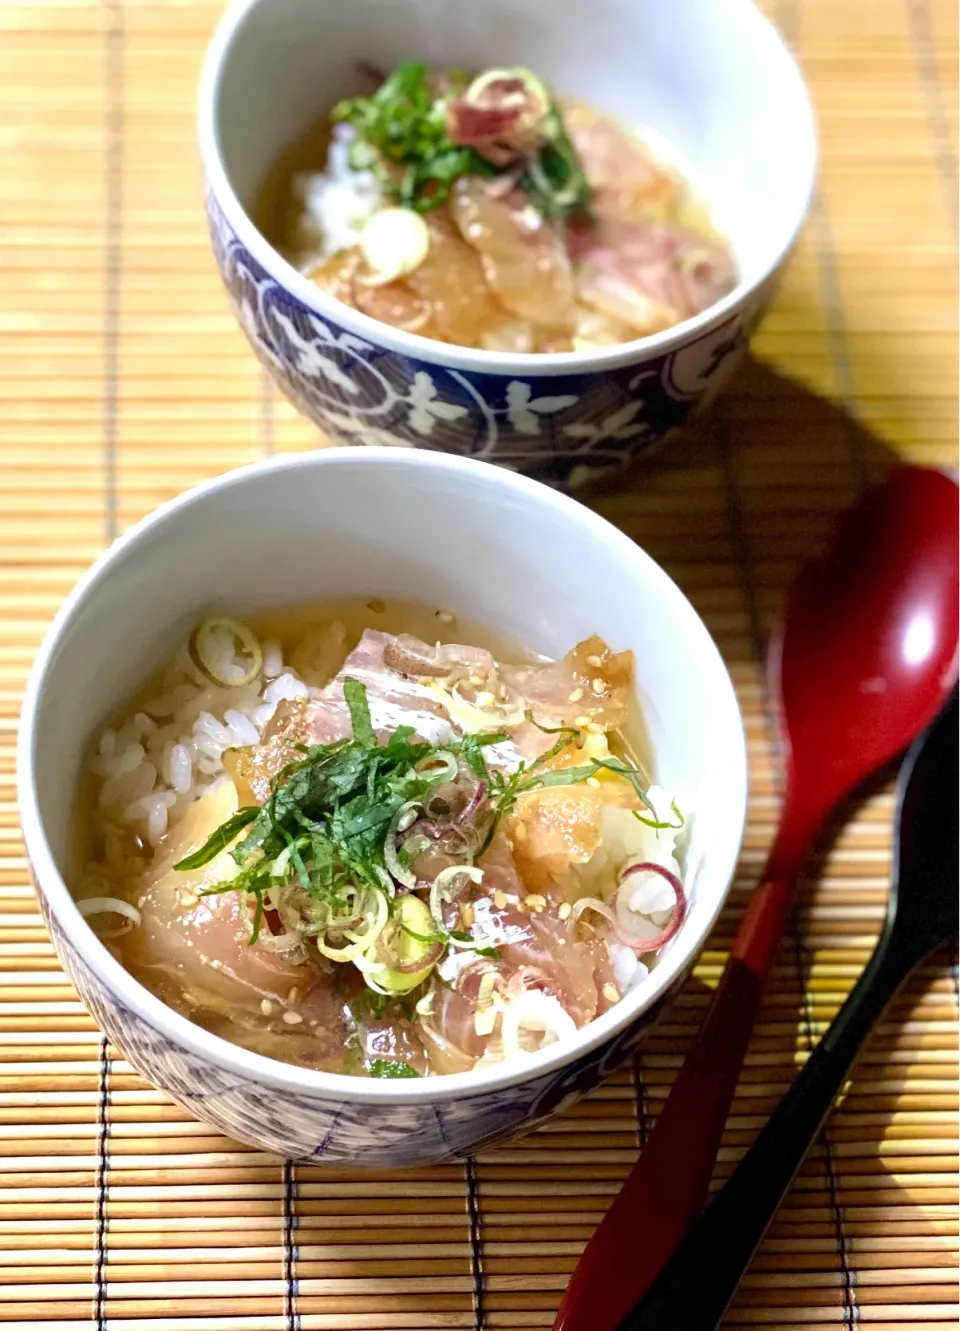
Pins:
<point x="696" y="1285"/>
<point x="665" y="1191"/>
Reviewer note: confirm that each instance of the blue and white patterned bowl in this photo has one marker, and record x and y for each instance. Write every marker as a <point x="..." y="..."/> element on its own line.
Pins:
<point x="711" y="77"/>
<point x="489" y="545"/>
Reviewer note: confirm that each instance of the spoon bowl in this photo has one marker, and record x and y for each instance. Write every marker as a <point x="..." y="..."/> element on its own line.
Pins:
<point x="864" y="658"/>
<point x="868" y="645"/>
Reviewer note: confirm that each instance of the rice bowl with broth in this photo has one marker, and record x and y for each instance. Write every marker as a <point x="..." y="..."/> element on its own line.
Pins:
<point x="366" y="853"/>
<point x="352" y="849"/>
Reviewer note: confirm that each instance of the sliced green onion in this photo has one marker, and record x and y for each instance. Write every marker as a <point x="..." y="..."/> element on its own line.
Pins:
<point x="386" y="882"/>
<point x="359" y="942"/>
<point x="400" y="821"/>
<point x="203" y="648"/>
<point x="394" y="242"/>
<point x="349" y="952"/>
<point x="441" y="766"/>
<point x="326" y="920"/>
<point x="381" y="915"/>
<point x="485" y="1015"/>
<point x="411" y="918"/>
<point x="110" y="906"/>
<point x="541" y="1015"/>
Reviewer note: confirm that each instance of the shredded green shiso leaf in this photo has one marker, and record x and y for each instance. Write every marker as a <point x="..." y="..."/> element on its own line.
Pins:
<point x="329" y="814"/>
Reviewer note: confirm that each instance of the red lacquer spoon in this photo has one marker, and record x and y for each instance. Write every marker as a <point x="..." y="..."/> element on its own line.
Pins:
<point x="864" y="659"/>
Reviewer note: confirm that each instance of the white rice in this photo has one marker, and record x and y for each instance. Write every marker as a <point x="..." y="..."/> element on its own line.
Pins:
<point x="286" y="687"/>
<point x="272" y="660"/>
<point x="336" y="203"/>
<point x="170" y="752"/>
<point x="628" y="969"/>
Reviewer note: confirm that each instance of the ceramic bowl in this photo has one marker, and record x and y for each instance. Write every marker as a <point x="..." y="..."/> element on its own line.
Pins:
<point x="712" y="77"/>
<point x="448" y="532"/>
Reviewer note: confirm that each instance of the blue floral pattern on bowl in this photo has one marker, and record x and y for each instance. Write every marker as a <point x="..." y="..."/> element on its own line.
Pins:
<point x="316" y="1127"/>
<point x="557" y="428"/>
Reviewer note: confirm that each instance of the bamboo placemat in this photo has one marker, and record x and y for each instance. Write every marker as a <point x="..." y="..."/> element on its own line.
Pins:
<point x="123" y="380"/>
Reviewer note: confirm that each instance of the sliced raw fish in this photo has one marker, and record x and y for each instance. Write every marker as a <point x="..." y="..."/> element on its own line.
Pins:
<point x="524" y="255"/>
<point x="195" y="950"/>
<point x="628" y="183"/>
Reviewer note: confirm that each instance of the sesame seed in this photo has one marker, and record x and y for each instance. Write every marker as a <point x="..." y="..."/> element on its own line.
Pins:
<point x="188" y="898"/>
<point x="266" y="1007"/>
<point x="575" y="696"/>
<point x="581" y="720"/>
<point x="598" y="685"/>
<point x="594" y="662"/>
<point x="293" y="995"/>
<point x="499" y="899"/>
<point x="592" y="782"/>
<point x="292" y="1018"/>
<point x="611" y="993"/>
<point x="466" y="915"/>
<point x="536" y="902"/>
<point x="520" y="832"/>
<point x="564" y="911"/>
<point x="445" y="617"/>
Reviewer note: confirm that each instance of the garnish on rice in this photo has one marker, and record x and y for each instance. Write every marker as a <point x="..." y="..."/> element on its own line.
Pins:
<point x="345" y="822"/>
<point x="482" y="209"/>
<point x="421" y="132"/>
<point x="399" y="859"/>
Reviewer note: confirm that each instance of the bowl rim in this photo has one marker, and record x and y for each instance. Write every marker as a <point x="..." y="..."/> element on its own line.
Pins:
<point x="179" y="1030"/>
<point x="218" y="185"/>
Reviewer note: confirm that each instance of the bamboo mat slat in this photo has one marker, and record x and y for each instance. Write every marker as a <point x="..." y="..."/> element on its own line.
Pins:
<point x="123" y="380"/>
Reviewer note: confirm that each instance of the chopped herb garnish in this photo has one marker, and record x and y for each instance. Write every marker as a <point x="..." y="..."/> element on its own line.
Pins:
<point x="572" y="731"/>
<point x="471" y="750"/>
<point x="506" y="789"/>
<point x="356" y="699"/>
<point x="554" y="178"/>
<point x="220" y="839"/>
<point x="404" y="135"/>
<point x="427" y="938"/>
<point x="329" y="811"/>
<point x="324" y="826"/>
<point x="370" y="1004"/>
<point x="391" y="1067"/>
<point x="663" y="826"/>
